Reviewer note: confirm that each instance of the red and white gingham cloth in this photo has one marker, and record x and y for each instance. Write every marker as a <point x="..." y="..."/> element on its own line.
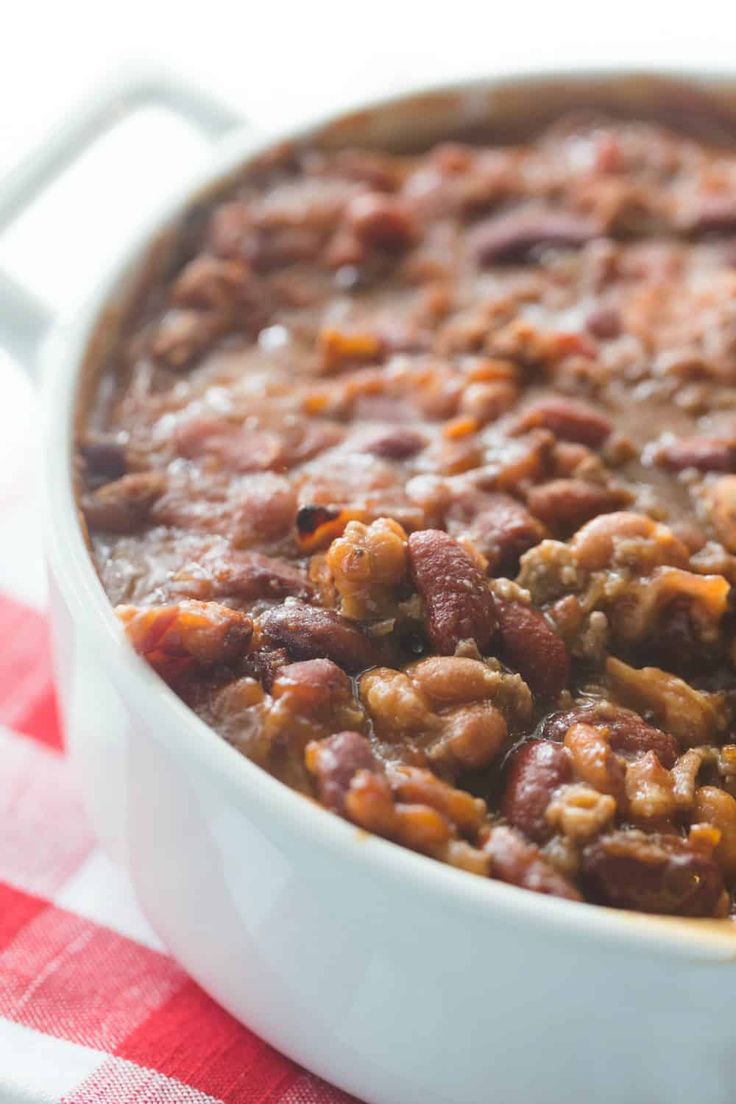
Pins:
<point x="92" y="1009"/>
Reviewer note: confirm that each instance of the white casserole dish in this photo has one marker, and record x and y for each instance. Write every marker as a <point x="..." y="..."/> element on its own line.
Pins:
<point x="397" y="978"/>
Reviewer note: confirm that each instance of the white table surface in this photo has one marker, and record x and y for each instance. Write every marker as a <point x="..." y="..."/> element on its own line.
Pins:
<point x="276" y="61"/>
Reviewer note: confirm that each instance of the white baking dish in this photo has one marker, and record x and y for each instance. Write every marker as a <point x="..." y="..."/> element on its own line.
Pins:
<point x="398" y="978"/>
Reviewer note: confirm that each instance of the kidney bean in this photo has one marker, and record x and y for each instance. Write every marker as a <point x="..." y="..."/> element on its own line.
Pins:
<point x="703" y="453"/>
<point x="605" y="323"/>
<point x="536" y="770"/>
<point x="266" y="509"/>
<point x="104" y="458"/>
<point x="334" y="762"/>
<point x="627" y="732"/>
<point x="651" y="873"/>
<point x="394" y="443"/>
<point x="182" y="335"/>
<point x="568" y="419"/>
<point x="458" y="604"/>
<point x="381" y="221"/>
<point x="515" y="860"/>
<point x="311" y="633"/>
<point x="233" y="446"/>
<point x="532" y="648"/>
<point x="230" y="573"/>
<point x="513" y="235"/>
<point x="231" y="229"/>
<point x="265" y="665"/>
<point x="499" y="527"/>
<point x="124" y="505"/>
<point x="565" y="504"/>
<point x="713" y="212"/>
<point x="209" y="283"/>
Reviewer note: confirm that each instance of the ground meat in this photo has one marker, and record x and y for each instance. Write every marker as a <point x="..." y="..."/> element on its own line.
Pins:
<point x="415" y="476"/>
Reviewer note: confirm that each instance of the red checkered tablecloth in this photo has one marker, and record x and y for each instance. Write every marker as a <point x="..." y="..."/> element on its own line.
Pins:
<point x="92" y="1008"/>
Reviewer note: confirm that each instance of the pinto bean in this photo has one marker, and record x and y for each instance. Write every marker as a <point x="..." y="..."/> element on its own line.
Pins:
<point x="579" y="812"/>
<point x="499" y="527"/>
<point x="721" y="502"/>
<point x="513" y="235"/>
<point x="487" y="401"/>
<point x="536" y="770"/>
<point x="174" y="638"/>
<point x="565" y="504"/>
<point x="593" y="761"/>
<point x="702" y="453"/>
<point x="690" y="715"/>
<point x="454" y="680"/>
<point x="472" y="737"/>
<point x="595" y="544"/>
<point x="650" y="794"/>
<point x="334" y="762"/>
<point x="530" y="646"/>
<point x="515" y="860"/>
<point x="395" y="703"/>
<point x="458" y="603"/>
<point x="368" y="563"/>
<point x="568" y="419"/>
<point x="651" y="873"/>
<point x="421" y="787"/>
<point x="311" y="633"/>
<point x="716" y="807"/>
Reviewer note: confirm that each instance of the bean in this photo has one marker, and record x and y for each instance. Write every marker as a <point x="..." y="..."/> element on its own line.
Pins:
<point x="334" y="762"/>
<point x="568" y="419"/>
<point x="718" y="808"/>
<point x="381" y="221"/>
<point x="513" y="235"/>
<point x="536" y="770"/>
<point x="702" y="453"/>
<point x="593" y="761"/>
<point x="515" y="860"/>
<point x="499" y="527"/>
<point x="311" y="633"/>
<point x="565" y="504"/>
<point x="458" y="604"/>
<point x="532" y="648"/>
<point x="124" y="506"/>
<point x="651" y="873"/>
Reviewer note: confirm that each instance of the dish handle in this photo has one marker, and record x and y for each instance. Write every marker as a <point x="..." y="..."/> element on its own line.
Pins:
<point x="24" y="318"/>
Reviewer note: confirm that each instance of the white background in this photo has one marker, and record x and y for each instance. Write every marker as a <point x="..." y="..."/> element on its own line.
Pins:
<point x="276" y="61"/>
